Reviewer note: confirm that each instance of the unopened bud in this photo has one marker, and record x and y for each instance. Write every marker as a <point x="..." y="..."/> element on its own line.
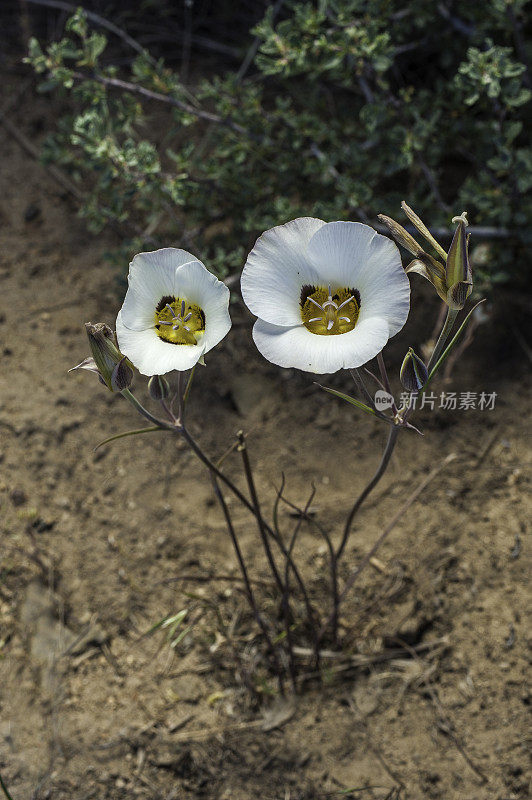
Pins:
<point x="158" y="387"/>
<point x="458" y="294"/>
<point x="121" y="376"/>
<point x="113" y="368"/>
<point x="458" y="276"/>
<point x="414" y="373"/>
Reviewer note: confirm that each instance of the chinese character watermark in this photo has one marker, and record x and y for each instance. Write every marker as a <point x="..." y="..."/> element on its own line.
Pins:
<point x="450" y="401"/>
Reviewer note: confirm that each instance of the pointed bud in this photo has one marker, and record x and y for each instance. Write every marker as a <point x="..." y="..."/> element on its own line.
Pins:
<point x="414" y="373"/>
<point x="158" y="387"/>
<point x="113" y="368"/>
<point x="457" y="269"/>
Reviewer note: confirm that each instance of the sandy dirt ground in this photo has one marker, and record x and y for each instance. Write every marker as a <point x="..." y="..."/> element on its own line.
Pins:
<point x="429" y="698"/>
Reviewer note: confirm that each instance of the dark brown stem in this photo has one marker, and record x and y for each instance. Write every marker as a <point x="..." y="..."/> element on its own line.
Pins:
<point x="369" y="555"/>
<point x="286" y="595"/>
<point x="242" y="449"/>
<point x="385" y="460"/>
<point x="247" y="583"/>
<point x="386" y="380"/>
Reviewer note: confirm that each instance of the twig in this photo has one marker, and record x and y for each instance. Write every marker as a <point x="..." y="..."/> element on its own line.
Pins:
<point x="252" y="52"/>
<point x="404" y="508"/>
<point x="249" y="590"/>
<point x="286" y="596"/>
<point x="134" y="88"/>
<point x="5" y="789"/>
<point x="242" y="449"/>
<point x="385" y="460"/>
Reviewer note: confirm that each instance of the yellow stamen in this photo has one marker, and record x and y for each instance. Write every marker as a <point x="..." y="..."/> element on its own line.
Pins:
<point x="328" y="312"/>
<point x="179" y="322"/>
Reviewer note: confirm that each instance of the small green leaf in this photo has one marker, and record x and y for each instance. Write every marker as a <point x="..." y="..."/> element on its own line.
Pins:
<point x="354" y="402"/>
<point x="126" y="433"/>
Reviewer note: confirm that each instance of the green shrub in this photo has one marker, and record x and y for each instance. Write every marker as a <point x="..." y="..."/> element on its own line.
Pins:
<point x="350" y="107"/>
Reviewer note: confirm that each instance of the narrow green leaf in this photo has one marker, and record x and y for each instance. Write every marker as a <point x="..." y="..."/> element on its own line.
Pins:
<point x="165" y="622"/>
<point x="181" y="636"/>
<point x="126" y="433"/>
<point x="354" y="402"/>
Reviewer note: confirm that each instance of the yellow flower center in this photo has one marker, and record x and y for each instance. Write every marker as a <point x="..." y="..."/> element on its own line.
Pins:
<point x="179" y="322"/>
<point x="329" y="313"/>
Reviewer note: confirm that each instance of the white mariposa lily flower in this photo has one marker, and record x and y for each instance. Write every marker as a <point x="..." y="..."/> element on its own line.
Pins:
<point x="173" y="313"/>
<point x="328" y="296"/>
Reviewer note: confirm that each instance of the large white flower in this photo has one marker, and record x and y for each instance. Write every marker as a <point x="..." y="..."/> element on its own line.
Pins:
<point x="173" y="313"/>
<point x="328" y="296"/>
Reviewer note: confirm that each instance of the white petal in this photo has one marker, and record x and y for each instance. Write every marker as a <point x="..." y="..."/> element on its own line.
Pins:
<point x="151" y="277"/>
<point x="384" y="286"/>
<point x="353" y="255"/>
<point x="151" y="355"/>
<point x="297" y="347"/>
<point x="277" y="268"/>
<point x="197" y="285"/>
<point x="339" y="251"/>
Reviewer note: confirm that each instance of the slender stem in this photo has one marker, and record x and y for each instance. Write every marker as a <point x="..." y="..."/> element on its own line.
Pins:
<point x="372" y="375"/>
<point x="386" y="380"/>
<point x="452" y="313"/>
<point x="247" y="582"/>
<point x="130" y="397"/>
<point x="5" y="789"/>
<point x="180" y="398"/>
<point x="213" y="469"/>
<point x="189" y="386"/>
<point x="406" y="505"/>
<point x="286" y="595"/>
<point x="245" y="502"/>
<point x="385" y="460"/>
<point x="211" y="466"/>
<point x="256" y="505"/>
<point x="361" y="386"/>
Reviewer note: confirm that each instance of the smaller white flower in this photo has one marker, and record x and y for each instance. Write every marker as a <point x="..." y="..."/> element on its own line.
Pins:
<point x="173" y="313"/>
<point x="328" y="296"/>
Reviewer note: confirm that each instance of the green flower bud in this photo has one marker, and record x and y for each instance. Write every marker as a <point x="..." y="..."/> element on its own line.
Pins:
<point x="458" y="276"/>
<point x="414" y="373"/>
<point x="113" y="368"/>
<point x="158" y="387"/>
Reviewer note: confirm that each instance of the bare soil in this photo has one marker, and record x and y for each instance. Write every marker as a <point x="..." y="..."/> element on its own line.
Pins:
<point x="429" y="698"/>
